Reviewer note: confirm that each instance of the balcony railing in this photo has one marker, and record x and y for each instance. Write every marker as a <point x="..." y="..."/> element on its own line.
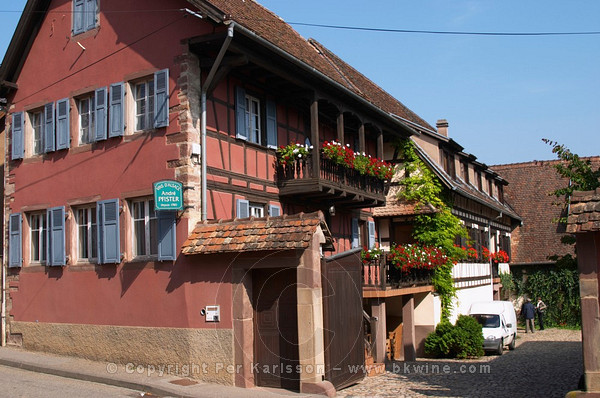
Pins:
<point x="332" y="181"/>
<point x="382" y="274"/>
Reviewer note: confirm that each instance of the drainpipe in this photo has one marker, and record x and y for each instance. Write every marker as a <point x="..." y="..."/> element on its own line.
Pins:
<point x="204" y="89"/>
<point x="4" y="250"/>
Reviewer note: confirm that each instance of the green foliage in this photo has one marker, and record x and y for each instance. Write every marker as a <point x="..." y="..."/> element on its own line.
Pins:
<point x="506" y="279"/>
<point x="463" y="340"/>
<point x="559" y="286"/>
<point x="444" y="285"/>
<point x="579" y="172"/>
<point x="440" y="229"/>
<point x="559" y="289"/>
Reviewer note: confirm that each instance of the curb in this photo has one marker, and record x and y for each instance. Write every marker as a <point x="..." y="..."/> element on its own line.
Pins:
<point x="92" y="378"/>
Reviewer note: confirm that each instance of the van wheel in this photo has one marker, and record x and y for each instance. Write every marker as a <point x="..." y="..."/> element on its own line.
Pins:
<point x="512" y="344"/>
<point x="500" y="347"/>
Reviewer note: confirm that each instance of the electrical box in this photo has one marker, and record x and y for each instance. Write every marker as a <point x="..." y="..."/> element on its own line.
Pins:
<point x="213" y="313"/>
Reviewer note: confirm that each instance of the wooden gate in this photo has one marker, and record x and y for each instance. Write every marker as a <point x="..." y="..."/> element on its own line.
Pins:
<point x="275" y="328"/>
<point x="343" y="318"/>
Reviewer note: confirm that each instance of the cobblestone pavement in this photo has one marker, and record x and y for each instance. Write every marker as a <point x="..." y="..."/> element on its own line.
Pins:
<point x="545" y="364"/>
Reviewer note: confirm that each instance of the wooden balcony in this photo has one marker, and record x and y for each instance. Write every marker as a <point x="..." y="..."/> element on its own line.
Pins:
<point x="331" y="183"/>
<point x="382" y="279"/>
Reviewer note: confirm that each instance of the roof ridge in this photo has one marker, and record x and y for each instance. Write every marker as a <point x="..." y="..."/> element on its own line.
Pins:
<point x="541" y="162"/>
<point x="324" y="51"/>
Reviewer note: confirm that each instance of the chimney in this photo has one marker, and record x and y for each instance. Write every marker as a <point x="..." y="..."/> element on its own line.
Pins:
<point x="442" y="127"/>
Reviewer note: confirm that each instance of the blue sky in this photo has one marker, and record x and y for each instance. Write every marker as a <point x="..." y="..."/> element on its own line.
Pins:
<point x="500" y="95"/>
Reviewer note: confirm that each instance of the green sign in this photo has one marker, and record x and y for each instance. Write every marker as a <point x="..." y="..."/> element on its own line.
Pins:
<point x="168" y="195"/>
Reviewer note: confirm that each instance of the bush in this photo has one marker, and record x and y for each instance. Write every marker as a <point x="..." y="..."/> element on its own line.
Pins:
<point x="463" y="340"/>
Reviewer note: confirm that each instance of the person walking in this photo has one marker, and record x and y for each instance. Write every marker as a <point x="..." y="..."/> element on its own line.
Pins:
<point x="540" y="309"/>
<point x="528" y="312"/>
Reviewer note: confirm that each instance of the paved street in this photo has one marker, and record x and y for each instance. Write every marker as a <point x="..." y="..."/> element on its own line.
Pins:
<point x="23" y="383"/>
<point x="545" y="364"/>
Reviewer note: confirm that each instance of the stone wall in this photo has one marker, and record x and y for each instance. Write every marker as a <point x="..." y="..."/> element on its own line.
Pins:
<point x="205" y="354"/>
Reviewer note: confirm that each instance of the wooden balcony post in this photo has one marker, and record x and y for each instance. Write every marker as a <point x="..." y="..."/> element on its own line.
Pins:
<point x="314" y="137"/>
<point x="340" y="128"/>
<point x="361" y="138"/>
<point x="378" y="329"/>
<point x="408" y="327"/>
<point x="380" y="145"/>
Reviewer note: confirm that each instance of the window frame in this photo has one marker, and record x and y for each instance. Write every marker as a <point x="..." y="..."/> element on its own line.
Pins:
<point x="150" y="250"/>
<point x="262" y="112"/>
<point x="41" y="230"/>
<point x="253" y="134"/>
<point x="254" y="208"/>
<point x="82" y="13"/>
<point x="91" y="114"/>
<point x="91" y="232"/>
<point x="149" y="99"/>
<point x="36" y="123"/>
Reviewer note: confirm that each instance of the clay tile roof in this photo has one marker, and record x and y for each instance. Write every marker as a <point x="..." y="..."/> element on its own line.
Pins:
<point x="255" y="234"/>
<point x="397" y="208"/>
<point x="585" y="212"/>
<point x="267" y="25"/>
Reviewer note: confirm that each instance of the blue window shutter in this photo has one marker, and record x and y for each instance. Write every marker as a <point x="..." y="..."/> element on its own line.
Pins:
<point x="101" y="114"/>
<point x="109" y="243"/>
<point x="271" y="124"/>
<point x="274" y="210"/>
<point x="167" y="240"/>
<point x="354" y="233"/>
<point x="241" y="129"/>
<point x="116" y="111"/>
<point x="90" y="13"/>
<point x="371" y="226"/>
<point x="78" y="16"/>
<point x="161" y="99"/>
<point x="49" y="127"/>
<point x="63" y="136"/>
<point x="15" y="253"/>
<point x="18" y="140"/>
<point x="243" y="208"/>
<point x="55" y="236"/>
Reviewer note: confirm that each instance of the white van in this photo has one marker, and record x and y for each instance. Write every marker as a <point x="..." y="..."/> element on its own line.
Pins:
<point x="499" y="322"/>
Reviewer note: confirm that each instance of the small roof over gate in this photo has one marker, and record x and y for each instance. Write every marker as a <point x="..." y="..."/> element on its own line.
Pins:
<point x="584" y="215"/>
<point x="256" y="234"/>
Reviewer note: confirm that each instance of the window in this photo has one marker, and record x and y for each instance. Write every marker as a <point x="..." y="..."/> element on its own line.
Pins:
<point x="38" y="228"/>
<point x="363" y="233"/>
<point x="490" y="187"/>
<point x="144" y="105"/>
<point x="37" y="127"/>
<point x="144" y="228"/>
<point x="256" y="210"/>
<point x="154" y="232"/>
<point x="87" y="233"/>
<point x="448" y="163"/>
<point x="150" y="102"/>
<point x="250" y="124"/>
<point x="253" y="119"/>
<point x="85" y="15"/>
<point x="87" y="119"/>
<point x="464" y="171"/>
<point x="479" y="182"/>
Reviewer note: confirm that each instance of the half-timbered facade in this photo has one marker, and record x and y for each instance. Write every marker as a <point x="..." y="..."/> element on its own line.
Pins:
<point x="407" y="309"/>
<point x="107" y="98"/>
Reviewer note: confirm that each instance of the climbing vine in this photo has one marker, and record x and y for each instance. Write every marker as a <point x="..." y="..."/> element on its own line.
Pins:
<point x="440" y="229"/>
